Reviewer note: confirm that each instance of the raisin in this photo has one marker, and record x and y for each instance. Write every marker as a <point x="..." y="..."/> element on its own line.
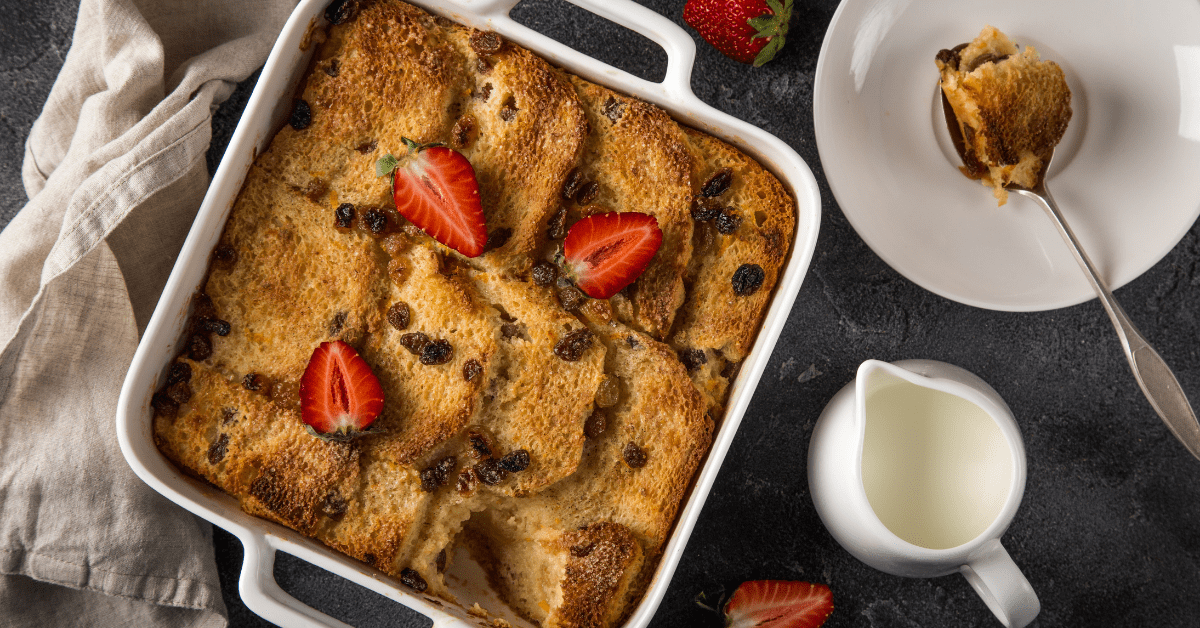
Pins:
<point x="163" y="405"/>
<point x="510" y="331"/>
<point x="574" y="344"/>
<point x="595" y="425"/>
<point x="572" y="184"/>
<point x="336" y="323"/>
<point x="692" y="359"/>
<point x="481" y="447"/>
<point x="216" y="451"/>
<point x="483" y="67"/>
<point x="438" y="474"/>
<point x="730" y="370"/>
<point x="587" y="193"/>
<point x="634" y="456"/>
<point x="179" y="372"/>
<point x="203" y="308"/>
<point x="376" y="221"/>
<point x="613" y="109"/>
<point x="316" y="190"/>
<point x="367" y="147"/>
<point x="472" y="369"/>
<point x="253" y="382"/>
<point x="414" y="342"/>
<point x="557" y="228"/>
<point x="437" y="352"/>
<point x="224" y="257"/>
<point x="199" y="347"/>
<point x="466" y="481"/>
<point x="608" y="392"/>
<point x="747" y="279"/>
<point x="728" y="222"/>
<point x="333" y="505"/>
<point x="340" y="11"/>
<point x="544" y="273"/>
<point x="582" y="550"/>
<point x="717" y="183"/>
<point x="179" y="392"/>
<point x="228" y="415"/>
<point x="633" y="343"/>
<point x="440" y="561"/>
<point x="333" y="68"/>
<point x="413" y="580"/>
<point x="515" y="461"/>
<point x="217" y="326"/>
<point x="571" y="298"/>
<point x="399" y="315"/>
<point x="705" y="209"/>
<point x="987" y="57"/>
<point x="486" y="42"/>
<point x="464" y="131"/>
<point x="508" y="112"/>
<point x="485" y="92"/>
<point x="301" y="115"/>
<point x="490" y="472"/>
<point x="343" y="216"/>
<point x="497" y="239"/>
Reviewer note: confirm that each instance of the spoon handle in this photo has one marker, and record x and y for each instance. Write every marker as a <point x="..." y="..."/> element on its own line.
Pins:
<point x="1153" y="375"/>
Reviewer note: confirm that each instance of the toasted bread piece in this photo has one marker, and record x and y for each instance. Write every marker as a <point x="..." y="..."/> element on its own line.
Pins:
<point x="426" y="404"/>
<point x="715" y="319"/>
<point x="290" y="260"/>
<point x="523" y="128"/>
<point x="259" y="452"/>
<point x="638" y="157"/>
<point x="537" y="401"/>
<point x="1012" y="109"/>
<point x="388" y="73"/>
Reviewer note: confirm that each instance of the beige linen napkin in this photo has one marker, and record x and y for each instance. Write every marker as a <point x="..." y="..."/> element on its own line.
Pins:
<point x="115" y="172"/>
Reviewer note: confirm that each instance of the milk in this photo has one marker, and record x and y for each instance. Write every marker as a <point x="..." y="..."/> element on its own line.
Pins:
<point x="936" y="468"/>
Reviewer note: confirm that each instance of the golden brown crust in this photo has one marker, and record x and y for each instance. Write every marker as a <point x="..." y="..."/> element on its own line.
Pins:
<point x="297" y="281"/>
<point x="715" y="318"/>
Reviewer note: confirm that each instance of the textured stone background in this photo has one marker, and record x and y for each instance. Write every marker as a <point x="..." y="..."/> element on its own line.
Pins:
<point x="1109" y="531"/>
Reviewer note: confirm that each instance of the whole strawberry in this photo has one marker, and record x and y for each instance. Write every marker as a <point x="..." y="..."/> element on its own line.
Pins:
<point x="750" y="31"/>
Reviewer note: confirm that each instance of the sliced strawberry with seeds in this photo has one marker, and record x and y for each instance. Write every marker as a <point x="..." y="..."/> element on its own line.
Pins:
<point x="778" y="604"/>
<point x="435" y="188"/>
<point x="606" y="252"/>
<point x="339" y="395"/>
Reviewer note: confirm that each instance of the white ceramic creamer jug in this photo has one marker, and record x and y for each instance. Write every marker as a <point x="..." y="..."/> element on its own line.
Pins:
<point x="917" y="468"/>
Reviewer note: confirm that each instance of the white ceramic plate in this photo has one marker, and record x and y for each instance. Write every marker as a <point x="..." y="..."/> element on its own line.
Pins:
<point x="1126" y="175"/>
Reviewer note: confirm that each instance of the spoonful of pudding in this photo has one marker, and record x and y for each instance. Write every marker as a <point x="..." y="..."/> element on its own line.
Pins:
<point x="1006" y="110"/>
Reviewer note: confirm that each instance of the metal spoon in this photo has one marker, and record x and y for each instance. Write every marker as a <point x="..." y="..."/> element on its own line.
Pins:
<point x="1153" y="375"/>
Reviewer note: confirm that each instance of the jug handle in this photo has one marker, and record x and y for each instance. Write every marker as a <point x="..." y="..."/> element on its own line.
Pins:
<point x="1001" y="585"/>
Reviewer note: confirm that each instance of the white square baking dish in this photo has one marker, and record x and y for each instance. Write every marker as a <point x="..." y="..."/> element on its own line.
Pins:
<point x="265" y="113"/>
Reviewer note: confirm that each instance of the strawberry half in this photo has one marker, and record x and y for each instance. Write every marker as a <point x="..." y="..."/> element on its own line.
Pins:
<point x="778" y="604"/>
<point x="435" y="188"/>
<point x="339" y="395"/>
<point x="606" y="252"/>
<point x="750" y="31"/>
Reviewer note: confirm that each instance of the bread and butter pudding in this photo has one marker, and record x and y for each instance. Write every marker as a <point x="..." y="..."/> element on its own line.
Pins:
<point x="1012" y="109"/>
<point x="551" y="434"/>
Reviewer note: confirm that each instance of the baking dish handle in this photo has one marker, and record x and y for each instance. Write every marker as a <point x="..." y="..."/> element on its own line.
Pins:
<point x="679" y="46"/>
<point x="263" y="595"/>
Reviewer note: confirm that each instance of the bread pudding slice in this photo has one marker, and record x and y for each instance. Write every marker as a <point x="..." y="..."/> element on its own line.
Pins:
<point x="1012" y="109"/>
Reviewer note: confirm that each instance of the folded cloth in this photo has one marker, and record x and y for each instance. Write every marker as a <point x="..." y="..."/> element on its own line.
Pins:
<point x="115" y="171"/>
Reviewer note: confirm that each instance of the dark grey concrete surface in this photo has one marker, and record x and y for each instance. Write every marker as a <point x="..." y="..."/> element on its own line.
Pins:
<point x="1109" y="531"/>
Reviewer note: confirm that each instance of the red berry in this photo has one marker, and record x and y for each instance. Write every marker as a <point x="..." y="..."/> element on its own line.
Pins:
<point x="606" y="252"/>
<point x="778" y="604"/>
<point x="339" y="395"/>
<point x="435" y="188"/>
<point x="750" y="31"/>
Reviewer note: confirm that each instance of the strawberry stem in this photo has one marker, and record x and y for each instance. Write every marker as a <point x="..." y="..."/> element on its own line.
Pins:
<point x="772" y="26"/>
<point x="386" y="165"/>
